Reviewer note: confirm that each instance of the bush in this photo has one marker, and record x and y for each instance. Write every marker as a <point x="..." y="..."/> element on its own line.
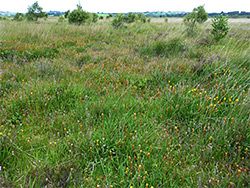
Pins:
<point x="220" y="27"/>
<point x="78" y="16"/>
<point x="130" y="18"/>
<point x="61" y="18"/>
<point x="109" y="16"/>
<point x="35" y="12"/>
<point x="66" y="14"/>
<point x="94" y="17"/>
<point x="198" y="15"/>
<point x="142" y="17"/>
<point x="201" y="15"/>
<point x="190" y="22"/>
<point x="166" y="20"/>
<point x="118" y="21"/>
<point x="4" y="17"/>
<point x="18" y="17"/>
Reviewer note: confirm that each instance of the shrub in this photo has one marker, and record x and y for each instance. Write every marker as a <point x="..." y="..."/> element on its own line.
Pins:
<point x="61" y="18"/>
<point x="35" y="12"/>
<point x="201" y="15"/>
<point x="66" y="14"/>
<point x="198" y="15"/>
<point x="220" y="27"/>
<point x="190" y="22"/>
<point x="118" y="21"/>
<point x="18" y="17"/>
<point x="142" y="17"/>
<point x="166" y="20"/>
<point x="4" y="17"/>
<point x="78" y="16"/>
<point x="101" y="17"/>
<point x="109" y="16"/>
<point x="94" y="17"/>
<point x="130" y="18"/>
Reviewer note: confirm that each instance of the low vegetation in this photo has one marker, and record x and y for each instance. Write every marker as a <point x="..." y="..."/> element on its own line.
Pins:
<point x="144" y="105"/>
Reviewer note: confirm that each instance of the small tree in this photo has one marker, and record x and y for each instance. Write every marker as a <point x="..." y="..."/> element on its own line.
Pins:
<point x="109" y="16"/>
<point x="130" y="18"/>
<point x="35" y="12"/>
<point x="18" y="17"/>
<point x="66" y="14"/>
<point x="190" y="22"/>
<point x="78" y="16"/>
<point x="61" y="18"/>
<point x="117" y="22"/>
<point x="220" y="27"/>
<point x="142" y="17"/>
<point x="94" y="17"/>
<point x="201" y="15"/>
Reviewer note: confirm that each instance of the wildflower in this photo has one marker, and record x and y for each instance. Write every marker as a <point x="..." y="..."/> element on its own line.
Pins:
<point x="1" y="134"/>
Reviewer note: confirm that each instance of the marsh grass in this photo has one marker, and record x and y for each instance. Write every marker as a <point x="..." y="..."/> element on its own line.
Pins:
<point x="143" y="106"/>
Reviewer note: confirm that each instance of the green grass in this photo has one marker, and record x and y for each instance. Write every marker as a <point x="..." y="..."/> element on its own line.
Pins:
<point x="143" y="106"/>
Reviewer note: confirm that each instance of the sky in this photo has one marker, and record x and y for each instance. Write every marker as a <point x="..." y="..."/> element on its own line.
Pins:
<point x="123" y="6"/>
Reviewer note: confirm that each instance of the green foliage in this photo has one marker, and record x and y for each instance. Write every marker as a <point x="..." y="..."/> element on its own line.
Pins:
<point x="149" y="20"/>
<point x="78" y="16"/>
<point x="66" y="14"/>
<point x="142" y="17"/>
<point x="166" y="20"/>
<point x="117" y="22"/>
<point x="190" y="22"/>
<point x="61" y="18"/>
<point x="201" y="15"/>
<point x="4" y="17"/>
<point x="198" y="15"/>
<point x="18" y="17"/>
<point x="94" y="17"/>
<point x="101" y="17"/>
<point x="109" y="16"/>
<point x="220" y="27"/>
<point x="35" y="12"/>
<point x="130" y="18"/>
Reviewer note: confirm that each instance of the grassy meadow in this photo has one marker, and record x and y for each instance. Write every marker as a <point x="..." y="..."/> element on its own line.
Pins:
<point x="145" y="106"/>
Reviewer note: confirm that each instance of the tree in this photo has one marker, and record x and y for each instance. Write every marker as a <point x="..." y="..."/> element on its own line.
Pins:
<point x="78" y="16"/>
<point x="142" y="17"/>
<point x="18" y="17"/>
<point x="66" y="14"/>
<point x="190" y="20"/>
<point x="201" y="15"/>
<point x="94" y="17"/>
<point x="220" y="27"/>
<point x="61" y="18"/>
<point x="35" y="12"/>
<point x="117" y="22"/>
<point x="130" y="18"/>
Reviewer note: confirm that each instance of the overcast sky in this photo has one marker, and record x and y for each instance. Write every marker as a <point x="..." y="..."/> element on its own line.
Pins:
<point x="111" y="6"/>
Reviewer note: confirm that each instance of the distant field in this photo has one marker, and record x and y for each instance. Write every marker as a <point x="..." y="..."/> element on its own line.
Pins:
<point x="144" y="106"/>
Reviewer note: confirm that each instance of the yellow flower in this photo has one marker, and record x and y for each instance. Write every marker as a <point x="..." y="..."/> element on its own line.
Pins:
<point x="1" y="134"/>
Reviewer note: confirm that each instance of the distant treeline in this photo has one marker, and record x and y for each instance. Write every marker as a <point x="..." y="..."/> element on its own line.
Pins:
<point x="234" y="14"/>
